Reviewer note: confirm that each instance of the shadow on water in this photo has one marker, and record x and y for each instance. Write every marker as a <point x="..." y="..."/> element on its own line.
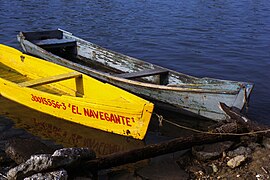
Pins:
<point x="70" y="134"/>
<point x="63" y="132"/>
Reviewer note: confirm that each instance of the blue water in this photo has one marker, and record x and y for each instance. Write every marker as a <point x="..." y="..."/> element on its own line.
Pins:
<point x="224" y="39"/>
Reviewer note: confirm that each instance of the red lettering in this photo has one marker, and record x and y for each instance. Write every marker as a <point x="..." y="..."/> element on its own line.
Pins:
<point x="64" y="106"/>
<point x="112" y="118"/>
<point x="33" y="97"/>
<point x="101" y="116"/>
<point x="91" y="114"/>
<point x="86" y="112"/>
<point x="117" y="119"/>
<point x="78" y="110"/>
<point x="49" y="102"/>
<point x="127" y="121"/>
<point x="73" y="109"/>
<point x="95" y="113"/>
<point x="123" y="119"/>
<point x="107" y="117"/>
<point x="45" y="101"/>
<point x="39" y="99"/>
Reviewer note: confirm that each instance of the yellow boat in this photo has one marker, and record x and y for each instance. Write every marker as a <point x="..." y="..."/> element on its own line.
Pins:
<point x="71" y="95"/>
<point x="63" y="132"/>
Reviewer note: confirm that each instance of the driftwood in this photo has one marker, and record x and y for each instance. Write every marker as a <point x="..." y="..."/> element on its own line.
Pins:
<point x="238" y="121"/>
<point x="245" y="122"/>
<point x="154" y="150"/>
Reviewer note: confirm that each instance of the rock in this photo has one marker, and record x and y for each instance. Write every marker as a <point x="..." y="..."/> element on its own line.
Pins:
<point x="246" y="151"/>
<point x="184" y="160"/>
<point x="82" y="153"/>
<point x="214" y="167"/>
<point x="32" y="166"/>
<point x="210" y="151"/>
<point x="4" y="159"/>
<point x="207" y="169"/>
<point x="236" y="161"/>
<point x="245" y="140"/>
<point x="253" y="145"/>
<point x="47" y="162"/>
<point x="194" y="169"/>
<point x="21" y="150"/>
<point x="266" y="142"/>
<point x="59" y="175"/>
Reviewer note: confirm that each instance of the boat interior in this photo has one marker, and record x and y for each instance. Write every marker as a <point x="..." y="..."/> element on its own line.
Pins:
<point x="12" y="75"/>
<point x="67" y="46"/>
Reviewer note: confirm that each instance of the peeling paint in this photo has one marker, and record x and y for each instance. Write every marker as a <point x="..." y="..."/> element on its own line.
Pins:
<point x="199" y="96"/>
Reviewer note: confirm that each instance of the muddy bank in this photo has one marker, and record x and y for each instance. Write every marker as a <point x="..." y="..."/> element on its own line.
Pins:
<point x="248" y="158"/>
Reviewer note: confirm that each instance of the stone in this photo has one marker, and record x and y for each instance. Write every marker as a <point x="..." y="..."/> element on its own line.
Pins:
<point x="82" y="153"/>
<point x="248" y="139"/>
<point x="32" y="166"/>
<point x="266" y="142"/>
<point x="4" y="159"/>
<point x="47" y="162"/>
<point x="59" y="175"/>
<point x="214" y="167"/>
<point x="254" y="145"/>
<point x="236" y="161"/>
<point x="20" y="150"/>
<point x="246" y="151"/>
<point x="210" y="151"/>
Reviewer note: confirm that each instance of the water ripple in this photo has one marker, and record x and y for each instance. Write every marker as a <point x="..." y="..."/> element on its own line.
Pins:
<point x="220" y="39"/>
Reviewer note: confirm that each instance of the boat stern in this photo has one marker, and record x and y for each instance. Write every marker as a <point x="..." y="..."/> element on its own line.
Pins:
<point x="146" y="117"/>
<point x="242" y="99"/>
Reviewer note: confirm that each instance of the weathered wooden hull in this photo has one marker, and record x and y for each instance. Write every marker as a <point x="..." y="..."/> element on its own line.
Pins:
<point x="191" y="95"/>
<point x="85" y="100"/>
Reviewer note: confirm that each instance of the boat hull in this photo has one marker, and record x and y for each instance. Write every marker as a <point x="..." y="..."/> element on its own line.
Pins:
<point x="201" y="98"/>
<point x="124" y="118"/>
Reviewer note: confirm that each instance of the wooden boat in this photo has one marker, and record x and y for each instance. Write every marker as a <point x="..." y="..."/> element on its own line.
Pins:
<point x="71" y="95"/>
<point x="167" y="88"/>
<point x="64" y="132"/>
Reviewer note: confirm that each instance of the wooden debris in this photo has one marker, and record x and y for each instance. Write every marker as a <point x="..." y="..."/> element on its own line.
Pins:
<point x="154" y="150"/>
<point x="245" y="122"/>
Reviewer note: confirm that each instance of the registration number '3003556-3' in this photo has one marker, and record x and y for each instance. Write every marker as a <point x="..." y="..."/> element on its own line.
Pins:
<point x="49" y="102"/>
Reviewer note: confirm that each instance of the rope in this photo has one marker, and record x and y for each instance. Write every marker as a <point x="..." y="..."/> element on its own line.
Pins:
<point x="161" y="119"/>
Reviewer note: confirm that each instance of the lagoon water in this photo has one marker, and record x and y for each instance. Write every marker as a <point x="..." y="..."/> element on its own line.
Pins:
<point x="224" y="39"/>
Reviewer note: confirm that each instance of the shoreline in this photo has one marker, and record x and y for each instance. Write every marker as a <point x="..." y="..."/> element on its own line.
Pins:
<point x="183" y="164"/>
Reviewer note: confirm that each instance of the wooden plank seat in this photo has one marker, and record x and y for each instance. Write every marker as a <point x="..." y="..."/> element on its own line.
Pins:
<point x="163" y="73"/>
<point x="55" y="43"/>
<point x="50" y="79"/>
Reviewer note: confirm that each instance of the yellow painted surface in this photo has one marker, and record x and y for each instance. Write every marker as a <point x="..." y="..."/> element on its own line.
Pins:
<point x="64" y="132"/>
<point x="82" y="100"/>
